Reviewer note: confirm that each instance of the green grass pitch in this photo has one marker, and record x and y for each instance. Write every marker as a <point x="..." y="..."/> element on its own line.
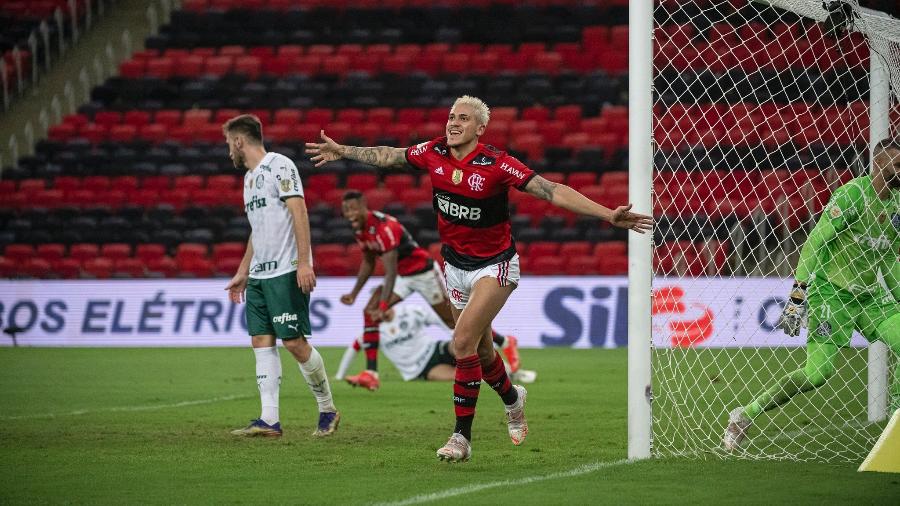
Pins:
<point x="151" y="426"/>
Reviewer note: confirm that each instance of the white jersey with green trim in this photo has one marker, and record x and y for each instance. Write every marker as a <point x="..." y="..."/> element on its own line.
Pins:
<point x="266" y="187"/>
<point x="403" y="339"/>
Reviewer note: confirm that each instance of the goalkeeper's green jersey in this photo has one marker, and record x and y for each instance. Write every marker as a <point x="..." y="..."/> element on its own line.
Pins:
<point x="857" y="236"/>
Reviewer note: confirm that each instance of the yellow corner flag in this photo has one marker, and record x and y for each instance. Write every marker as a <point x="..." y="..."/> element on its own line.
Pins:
<point x="885" y="455"/>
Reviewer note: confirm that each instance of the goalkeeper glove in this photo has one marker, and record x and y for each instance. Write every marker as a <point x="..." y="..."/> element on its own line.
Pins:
<point x="793" y="317"/>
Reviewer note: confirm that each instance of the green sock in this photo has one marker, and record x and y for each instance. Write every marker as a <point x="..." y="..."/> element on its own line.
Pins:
<point x="819" y="367"/>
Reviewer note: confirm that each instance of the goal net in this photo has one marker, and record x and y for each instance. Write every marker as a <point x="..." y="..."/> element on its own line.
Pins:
<point x="760" y="111"/>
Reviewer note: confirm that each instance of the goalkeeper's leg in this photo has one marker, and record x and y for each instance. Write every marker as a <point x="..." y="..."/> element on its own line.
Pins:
<point x="819" y="367"/>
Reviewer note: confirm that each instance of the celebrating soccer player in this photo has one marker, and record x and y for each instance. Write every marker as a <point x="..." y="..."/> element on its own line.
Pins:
<point x="414" y="353"/>
<point x="836" y="282"/>
<point x="471" y="182"/>
<point x="407" y="269"/>
<point x="277" y="276"/>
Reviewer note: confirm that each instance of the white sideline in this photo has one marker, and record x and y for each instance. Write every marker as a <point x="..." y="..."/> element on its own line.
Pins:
<point x="468" y="489"/>
<point x="120" y="409"/>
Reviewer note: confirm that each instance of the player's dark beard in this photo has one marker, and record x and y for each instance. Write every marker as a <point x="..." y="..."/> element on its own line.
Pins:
<point x="238" y="161"/>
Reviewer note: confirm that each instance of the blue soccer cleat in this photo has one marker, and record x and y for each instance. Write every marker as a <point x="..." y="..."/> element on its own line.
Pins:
<point x="259" y="428"/>
<point x="328" y="423"/>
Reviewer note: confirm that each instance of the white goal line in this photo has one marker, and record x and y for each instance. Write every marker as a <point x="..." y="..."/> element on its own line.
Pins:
<point x="468" y="489"/>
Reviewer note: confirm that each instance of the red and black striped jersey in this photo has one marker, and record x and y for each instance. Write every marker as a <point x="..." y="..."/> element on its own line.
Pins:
<point x="470" y="197"/>
<point x="383" y="233"/>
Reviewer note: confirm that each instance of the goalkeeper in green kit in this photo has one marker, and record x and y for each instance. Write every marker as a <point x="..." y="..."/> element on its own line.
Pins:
<point x="836" y="283"/>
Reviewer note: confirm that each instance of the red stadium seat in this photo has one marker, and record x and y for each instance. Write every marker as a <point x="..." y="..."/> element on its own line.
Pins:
<point x="163" y="265"/>
<point x="32" y="185"/>
<point x="575" y="248"/>
<point x="19" y="252"/>
<point x="543" y="248"/>
<point x="35" y="268"/>
<point x="51" y="251"/>
<point x="362" y="181"/>
<point x="377" y="198"/>
<point x="115" y="251"/>
<point x="228" y="250"/>
<point x="399" y="183"/>
<point x="195" y="267"/>
<point x="546" y="265"/>
<point x="613" y="266"/>
<point x="99" y="268"/>
<point x="131" y="267"/>
<point x="136" y="118"/>
<point x="334" y="266"/>
<point x="190" y="251"/>
<point x="66" y="268"/>
<point x="581" y="265"/>
<point x="226" y="266"/>
<point x="83" y="251"/>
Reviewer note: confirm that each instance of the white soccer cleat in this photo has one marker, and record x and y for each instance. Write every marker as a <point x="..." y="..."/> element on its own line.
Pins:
<point x="457" y="449"/>
<point x="515" y="418"/>
<point x="738" y="423"/>
<point x="523" y="376"/>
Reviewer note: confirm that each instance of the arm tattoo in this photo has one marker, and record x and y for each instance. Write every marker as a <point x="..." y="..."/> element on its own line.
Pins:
<point x="379" y="156"/>
<point x="543" y="189"/>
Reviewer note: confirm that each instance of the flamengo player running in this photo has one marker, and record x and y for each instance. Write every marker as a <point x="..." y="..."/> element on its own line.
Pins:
<point x="471" y="183"/>
<point x="408" y="268"/>
<point x="857" y="236"/>
<point x="276" y="275"/>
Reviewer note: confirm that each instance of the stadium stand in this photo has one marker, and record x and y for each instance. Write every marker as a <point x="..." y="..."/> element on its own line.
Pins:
<point x="140" y="173"/>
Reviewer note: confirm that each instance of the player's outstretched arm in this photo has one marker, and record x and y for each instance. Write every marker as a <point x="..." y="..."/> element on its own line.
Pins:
<point x="385" y="157"/>
<point x="567" y="198"/>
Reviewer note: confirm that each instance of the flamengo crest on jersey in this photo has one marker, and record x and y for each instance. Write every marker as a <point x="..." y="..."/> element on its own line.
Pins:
<point x="470" y="197"/>
<point x="265" y="188"/>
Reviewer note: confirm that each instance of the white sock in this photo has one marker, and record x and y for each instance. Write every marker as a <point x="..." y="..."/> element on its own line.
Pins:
<point x="314" y="372"/>
<point x="268" y="379"/>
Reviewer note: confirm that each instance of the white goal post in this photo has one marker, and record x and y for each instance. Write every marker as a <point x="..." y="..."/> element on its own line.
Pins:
<point x="681" y="133"/>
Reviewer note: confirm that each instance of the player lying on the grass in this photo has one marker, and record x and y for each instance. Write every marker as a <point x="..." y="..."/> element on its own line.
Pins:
<point x="471" y="183"/>
<point x="408" y="269"/>
<point x="276" y="276"/>
<point x="836" y="282"/>
<point x="415" y="354"/>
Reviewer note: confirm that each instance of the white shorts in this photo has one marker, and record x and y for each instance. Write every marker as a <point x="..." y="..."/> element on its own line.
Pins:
<point x="460" y="282"/>
<point x="428" y="284"/>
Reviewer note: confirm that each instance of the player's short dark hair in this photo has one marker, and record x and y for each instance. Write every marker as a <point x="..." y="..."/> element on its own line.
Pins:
<point x="246" y="124"/>
<point x="352" y="195"/>
<point x="887" y="143"/>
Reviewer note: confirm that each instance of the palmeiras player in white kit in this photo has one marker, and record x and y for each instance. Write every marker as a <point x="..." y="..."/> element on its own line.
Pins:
<point x="470" y="184"/>
<point x="275" y="276"/>
<point x="414" y="353"/>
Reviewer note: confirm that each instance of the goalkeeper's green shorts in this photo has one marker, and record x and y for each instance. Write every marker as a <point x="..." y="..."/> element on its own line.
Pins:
<point x="834" y="313"/>
<point x="277" y="307"/>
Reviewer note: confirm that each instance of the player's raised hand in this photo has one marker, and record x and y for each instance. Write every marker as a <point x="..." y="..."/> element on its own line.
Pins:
<point x="623" y="217"/>
<point x="794" y="317"/>
<point x="306" y="278"/>
<point x="236" y="288"/>
<point x="348" y="299"/>
<point x="324" y="152"/>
